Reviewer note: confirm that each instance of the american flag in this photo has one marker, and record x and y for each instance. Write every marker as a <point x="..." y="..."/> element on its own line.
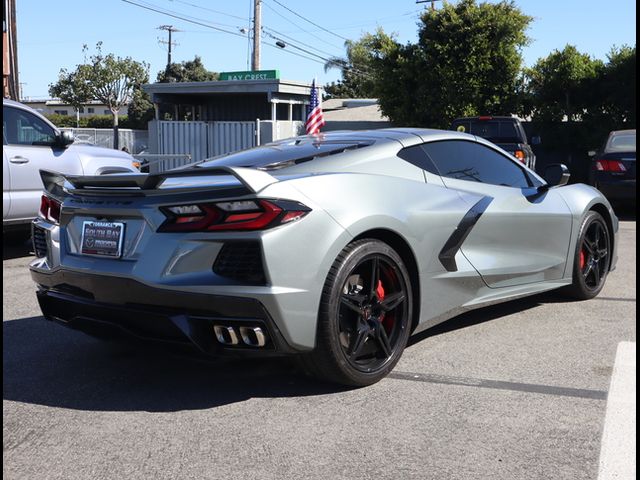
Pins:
<point x="315" y="119"/>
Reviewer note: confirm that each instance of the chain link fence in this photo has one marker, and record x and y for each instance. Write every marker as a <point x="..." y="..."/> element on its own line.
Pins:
<point x="135" y="141"/>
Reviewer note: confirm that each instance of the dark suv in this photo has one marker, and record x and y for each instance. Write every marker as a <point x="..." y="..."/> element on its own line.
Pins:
<point x="506" y="132"/>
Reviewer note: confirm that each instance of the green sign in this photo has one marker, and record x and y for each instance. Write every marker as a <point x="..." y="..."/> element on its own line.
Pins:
<point x="251" y="75"/>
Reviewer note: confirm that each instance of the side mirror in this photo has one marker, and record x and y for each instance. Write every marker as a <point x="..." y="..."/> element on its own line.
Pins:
<point x="536" y="140"/>
<point x="556" y="175"/>
<point x="65" y="138"/>
<point x="591" y="153"/>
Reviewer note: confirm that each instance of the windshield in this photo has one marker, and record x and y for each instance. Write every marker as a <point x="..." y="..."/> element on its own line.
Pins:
<point x="285" y="154"/>
<point x="496" y="131"/>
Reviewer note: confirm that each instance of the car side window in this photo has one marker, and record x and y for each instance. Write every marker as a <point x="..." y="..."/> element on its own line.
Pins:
<point x="417" y="156"/>
<point x="20" y="127"/>
<point x="466" y="160"/>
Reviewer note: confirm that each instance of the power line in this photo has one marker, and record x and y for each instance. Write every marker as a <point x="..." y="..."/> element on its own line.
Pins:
<point x="318" y="58"/>
<point x="309" y="21"/>
<point x="300" y="28"/>
<point x="297" y="41"/>
<point x="195" y="22"/>
<point x="324" y="60"/>
<point x="209" y="10"/>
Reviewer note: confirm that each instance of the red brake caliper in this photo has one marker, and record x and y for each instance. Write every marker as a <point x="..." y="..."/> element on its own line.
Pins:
<point x="386" y="321"/>
<point x="583" y="259"/>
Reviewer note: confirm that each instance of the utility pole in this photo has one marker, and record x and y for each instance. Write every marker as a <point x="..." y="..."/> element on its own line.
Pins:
<point x="170" y="29"/>
<point x="257" y="27"/>
<point x="433" y="3"/>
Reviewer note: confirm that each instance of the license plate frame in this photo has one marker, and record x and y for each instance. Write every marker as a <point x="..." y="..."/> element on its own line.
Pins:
<point x="102" y="239"/>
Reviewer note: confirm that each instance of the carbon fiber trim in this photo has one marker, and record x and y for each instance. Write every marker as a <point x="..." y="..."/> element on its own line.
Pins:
<point x="448" y="253"/>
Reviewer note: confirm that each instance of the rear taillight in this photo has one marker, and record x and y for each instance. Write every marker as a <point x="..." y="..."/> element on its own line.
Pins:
<point x="50" y="209"/>
<point x="231" y="216"/>
<point x="610" y="166"/>
<point x="519" y="154"/>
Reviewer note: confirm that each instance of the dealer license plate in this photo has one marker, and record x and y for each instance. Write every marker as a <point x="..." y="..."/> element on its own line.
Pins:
<point x="102" y="239"/>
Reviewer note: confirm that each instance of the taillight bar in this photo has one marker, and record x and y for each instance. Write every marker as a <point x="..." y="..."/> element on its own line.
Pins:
<point x="243" y="215"/>
<point x="610" y="166"/>
<point x="50" y="209"/>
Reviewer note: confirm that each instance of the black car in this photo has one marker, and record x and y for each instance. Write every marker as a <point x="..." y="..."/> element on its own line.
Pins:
<point x="506" y="132"/>
<point x="614" y="167"/>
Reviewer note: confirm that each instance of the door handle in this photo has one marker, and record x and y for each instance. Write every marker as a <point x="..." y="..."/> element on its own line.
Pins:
<point x="19" y="159"/>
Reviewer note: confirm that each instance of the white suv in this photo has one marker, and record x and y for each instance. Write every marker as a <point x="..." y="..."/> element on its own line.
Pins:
<point x="31" y="143"/>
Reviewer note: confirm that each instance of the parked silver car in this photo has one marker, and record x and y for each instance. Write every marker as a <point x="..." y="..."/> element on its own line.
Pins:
<point x="31" y="143"/>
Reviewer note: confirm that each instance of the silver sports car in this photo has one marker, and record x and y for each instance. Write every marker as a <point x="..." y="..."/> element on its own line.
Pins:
<point x="333" y="248"/>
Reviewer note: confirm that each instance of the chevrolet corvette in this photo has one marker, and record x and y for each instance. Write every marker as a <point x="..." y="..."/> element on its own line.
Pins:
<point x="333" y="248"/>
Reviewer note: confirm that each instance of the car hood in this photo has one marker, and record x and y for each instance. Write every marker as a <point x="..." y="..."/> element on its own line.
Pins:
<point x="95" y="151"/>
<point x="98" y="160"/>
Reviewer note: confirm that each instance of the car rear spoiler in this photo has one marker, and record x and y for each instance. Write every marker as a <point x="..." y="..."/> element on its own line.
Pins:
<point x="54" y="182"/>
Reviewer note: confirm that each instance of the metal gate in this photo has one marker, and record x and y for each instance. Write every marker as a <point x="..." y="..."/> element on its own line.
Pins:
<point x="201" y="140"/>
<point x="226" y="137"/>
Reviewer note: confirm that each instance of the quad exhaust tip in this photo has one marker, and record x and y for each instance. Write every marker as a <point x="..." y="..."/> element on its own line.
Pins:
<point x="226" y="335"/>
<point x="251" y="336"/>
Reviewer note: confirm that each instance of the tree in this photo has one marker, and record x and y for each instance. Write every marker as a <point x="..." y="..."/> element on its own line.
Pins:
<point x="188" y="71"/>
<point x="617" y="86"/>
<point x="140" y="110"/>
<point x="105" y="78"/>
<point x="358" y="66"/>
<point x="72" y="89"/>
<point x="467" y="62"/>
<point x="558" y="85"/>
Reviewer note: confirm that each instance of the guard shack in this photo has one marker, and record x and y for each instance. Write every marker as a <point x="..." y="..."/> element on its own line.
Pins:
<point x="204" y="119"/>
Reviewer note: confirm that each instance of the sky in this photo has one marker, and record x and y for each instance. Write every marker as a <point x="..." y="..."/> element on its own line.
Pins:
<point x="51" y="34"/>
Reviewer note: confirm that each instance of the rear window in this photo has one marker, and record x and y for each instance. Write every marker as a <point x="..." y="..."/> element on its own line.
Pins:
<point x="496" y="131"/>
<point x="280" y="155"/>
<point x="622" y="143"/>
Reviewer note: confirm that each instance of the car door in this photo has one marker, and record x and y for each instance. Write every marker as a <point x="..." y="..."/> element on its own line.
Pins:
<point x="29" y="145"/>
<point x="6" y="186"/>
<point x="520" y="235"/>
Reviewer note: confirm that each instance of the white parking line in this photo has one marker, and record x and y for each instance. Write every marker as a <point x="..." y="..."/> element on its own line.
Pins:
<point x="618" y="450"/>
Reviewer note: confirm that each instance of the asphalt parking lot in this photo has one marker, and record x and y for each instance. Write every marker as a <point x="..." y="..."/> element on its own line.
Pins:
<point x="514" y="391"/>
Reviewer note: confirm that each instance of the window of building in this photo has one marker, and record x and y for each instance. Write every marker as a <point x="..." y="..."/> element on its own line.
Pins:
<point x="61" y="112"/>
<point x="91" y="110"/>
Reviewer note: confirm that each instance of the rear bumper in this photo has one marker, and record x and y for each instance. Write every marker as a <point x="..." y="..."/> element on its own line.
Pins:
<point x="102" y="305"/>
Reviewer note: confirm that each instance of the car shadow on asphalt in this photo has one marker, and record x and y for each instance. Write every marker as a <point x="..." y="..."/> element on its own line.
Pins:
<point x="46" y="364"/>
<point x="626" y="213"/>
<point x="15" y="245"/>
<point x="493" y="312"/>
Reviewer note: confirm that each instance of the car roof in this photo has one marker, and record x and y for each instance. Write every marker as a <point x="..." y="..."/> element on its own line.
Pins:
<point x="404" y="135"/>
<point x="623" y="132"/>
<point x="8" y="101"/>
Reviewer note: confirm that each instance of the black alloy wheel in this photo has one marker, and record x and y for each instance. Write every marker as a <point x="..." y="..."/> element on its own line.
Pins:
<point x="365" y="315"/>
<point x="592" y="257"/>
<point x="372" y="313"/>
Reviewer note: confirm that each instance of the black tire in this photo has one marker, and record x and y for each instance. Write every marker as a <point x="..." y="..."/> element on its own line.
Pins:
<point x="592" y="258"/>
<point x="364" y="320"/>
